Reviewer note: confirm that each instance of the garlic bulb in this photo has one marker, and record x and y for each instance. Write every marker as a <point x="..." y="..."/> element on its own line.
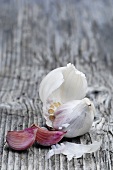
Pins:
<point x="62" y="92"/>
<point x="60" y="86"/>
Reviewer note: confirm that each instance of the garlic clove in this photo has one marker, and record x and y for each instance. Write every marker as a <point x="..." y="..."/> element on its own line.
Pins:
<point x="21" y="140"/>
<point x="47" y="138"/>
<point x="75" y="117"/>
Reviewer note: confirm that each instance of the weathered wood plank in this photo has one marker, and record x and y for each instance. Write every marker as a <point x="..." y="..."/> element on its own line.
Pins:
<point x="36" y="37"/>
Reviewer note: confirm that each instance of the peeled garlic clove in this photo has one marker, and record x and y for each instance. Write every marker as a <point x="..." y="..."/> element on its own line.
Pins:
<point x="46" y="138"/>
<point x="22" y="140"/>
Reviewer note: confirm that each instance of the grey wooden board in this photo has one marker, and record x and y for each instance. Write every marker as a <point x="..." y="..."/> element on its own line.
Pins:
<point x="36" y="37"/>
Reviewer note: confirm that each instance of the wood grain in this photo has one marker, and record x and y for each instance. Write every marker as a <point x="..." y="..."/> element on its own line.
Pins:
<point x="36" y="37"/>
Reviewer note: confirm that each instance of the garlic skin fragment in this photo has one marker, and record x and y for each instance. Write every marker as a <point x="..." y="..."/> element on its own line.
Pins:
<point x="73" y="150"/>
<point x="47" y="138"/>
<point x="61" y="85"/>
<point x="75" y="117"/>
<point x="21" y="140"/>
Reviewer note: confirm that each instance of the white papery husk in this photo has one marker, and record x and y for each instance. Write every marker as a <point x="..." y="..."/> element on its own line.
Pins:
<point x="73" y="150"/>
<point x="62" y="85"/>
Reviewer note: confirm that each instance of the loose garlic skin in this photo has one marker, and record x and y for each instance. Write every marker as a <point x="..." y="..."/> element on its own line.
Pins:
<point x="75" y="117"/>
<point x="72" y="149"/>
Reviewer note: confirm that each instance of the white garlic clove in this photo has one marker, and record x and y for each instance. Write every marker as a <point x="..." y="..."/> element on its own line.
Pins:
<point x="75" y="117"/>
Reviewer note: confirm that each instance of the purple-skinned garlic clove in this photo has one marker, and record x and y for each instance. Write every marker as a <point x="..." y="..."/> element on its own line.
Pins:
<point x="47" y="138"/>
<point x="22" y="140"/>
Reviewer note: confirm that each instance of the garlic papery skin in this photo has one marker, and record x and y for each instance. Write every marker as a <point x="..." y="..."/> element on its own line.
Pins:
<point x="61" y="85"/>
<point x="75" y="117"/>
<point x="73" y="150"/>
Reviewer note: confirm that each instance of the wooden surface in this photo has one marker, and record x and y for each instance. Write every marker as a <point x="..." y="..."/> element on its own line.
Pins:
<point x="36" y="37"/>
